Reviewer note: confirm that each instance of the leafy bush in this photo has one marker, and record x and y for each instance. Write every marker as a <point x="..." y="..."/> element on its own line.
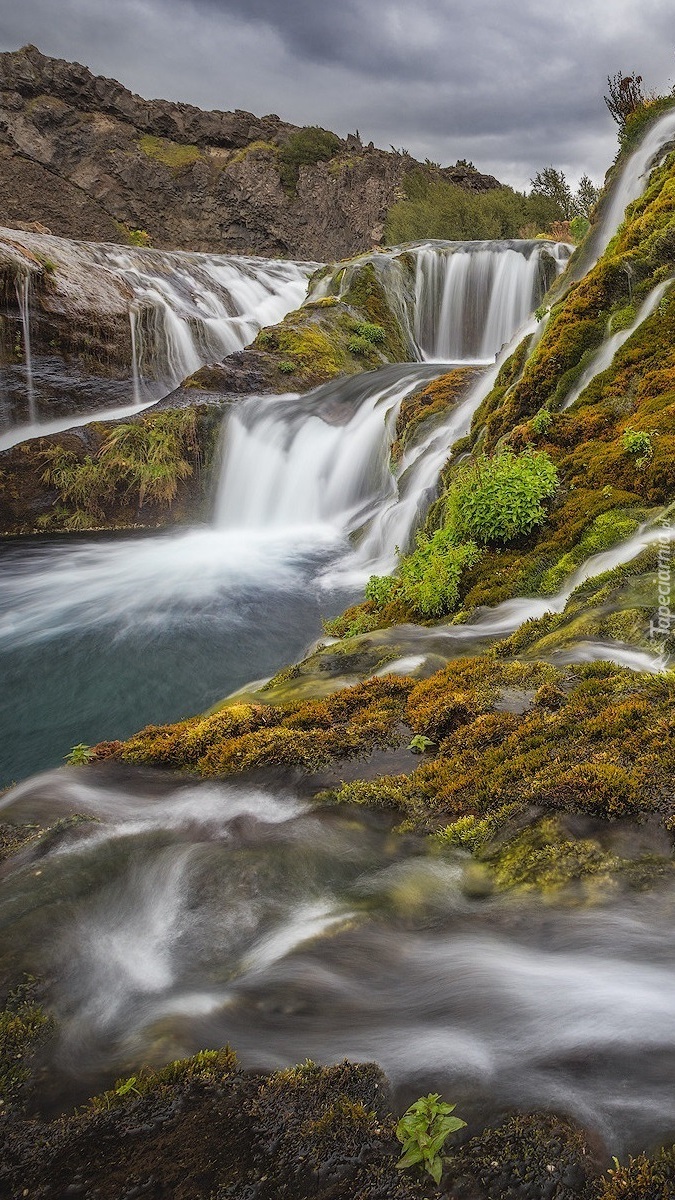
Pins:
<point x="430" y="576"/>
<point x="380" y="589"/>
<point x="423" y="1131"/>
<point x="639" y="442"/>
<point x="306" y="147"/>
<point x="497" y="499"/>
<point x="287" y="367"/>
<point x="541" y="421"/>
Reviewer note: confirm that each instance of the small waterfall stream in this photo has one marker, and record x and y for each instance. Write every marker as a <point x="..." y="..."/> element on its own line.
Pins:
<point x="605" y="355"/>
<point x="22" y="286"/>
<point x="182" y="311"/>
<point x="632" y="180"/>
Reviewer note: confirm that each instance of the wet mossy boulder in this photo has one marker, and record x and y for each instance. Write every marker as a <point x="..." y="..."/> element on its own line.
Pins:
<point x="535" y="1156"/>
<point x="201" y="1127"/>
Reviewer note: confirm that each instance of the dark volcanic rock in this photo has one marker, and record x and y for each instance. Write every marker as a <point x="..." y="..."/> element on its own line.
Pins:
<point x="85" y="157"/>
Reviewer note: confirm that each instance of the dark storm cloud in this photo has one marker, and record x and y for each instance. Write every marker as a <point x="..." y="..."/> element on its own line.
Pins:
<point x="511" y="84"/>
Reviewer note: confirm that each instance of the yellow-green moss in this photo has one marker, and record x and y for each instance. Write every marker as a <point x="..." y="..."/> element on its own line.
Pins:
<point x="177" y="155"/>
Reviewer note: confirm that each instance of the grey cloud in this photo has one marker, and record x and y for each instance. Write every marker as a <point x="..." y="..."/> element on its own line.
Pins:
<point x="510" y="84"/>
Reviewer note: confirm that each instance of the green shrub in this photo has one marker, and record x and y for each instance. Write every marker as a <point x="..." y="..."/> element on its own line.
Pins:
<point x="500" y="498"/>
<point x="306" y="147"/>
<point x="287" y="367"/>
<point x="541" y="421"/>
<point x="423" y="1130"/>
<point x="434" y="207"/>
<point x="430" y="576"/>
<point x="638" y="442"/>
<point x="380" y="589"/>
<point x="579" y="227"/>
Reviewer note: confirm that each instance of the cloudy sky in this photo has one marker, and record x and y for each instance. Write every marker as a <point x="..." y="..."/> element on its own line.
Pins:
<point x="512" y="85"/>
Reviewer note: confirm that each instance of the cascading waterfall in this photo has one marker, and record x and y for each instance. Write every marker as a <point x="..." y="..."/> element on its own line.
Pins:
<point x="632" y="181"/>
<point x="319" y="459"/>
<point x="470" y="298"/>
<point x="325" y="458"/>
<point x="184" y="311"/>
<point x="191" y="309"/>
<point x="22" y="286"/>
<point x="605" y="355"/>
<point x="457" y="301"/>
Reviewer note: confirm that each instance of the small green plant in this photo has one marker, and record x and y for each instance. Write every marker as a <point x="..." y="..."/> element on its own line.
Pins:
<point x="124" y="1086"/>
<point x="579" y="227"/>
<point x="423" y="1131"/>
<point x="287" y="367"/>
<point x="638" y="442"/>
<point x="371" y="332"/>
<point x="420" y="743"/>
<point x="541" y="421"/>
<point x="430" y="576"/>
<point x="359" y="345"/>
<point x="138" y="237"/>
<point x="380" y="589"/>
<point x="78" y="755"/>
<point x="541" y="312"/>
<point x="500" y="498"/>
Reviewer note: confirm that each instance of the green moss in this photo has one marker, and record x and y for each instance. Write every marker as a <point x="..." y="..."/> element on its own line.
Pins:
<point x="148" y="458"/>
<point x="177" y="155"/>
<point x="529" y="1155"/>
<point x="23" y="1025"/>
<point x="429" y="404"/>
<point x="205" y="1069"/>
<point x="257" y="148"/>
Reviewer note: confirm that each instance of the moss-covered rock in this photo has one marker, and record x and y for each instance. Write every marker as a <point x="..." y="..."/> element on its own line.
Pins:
<point x="149" y="471"/>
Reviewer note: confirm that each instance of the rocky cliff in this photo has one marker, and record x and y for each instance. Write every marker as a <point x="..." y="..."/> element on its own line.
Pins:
<point x="84" y="157"/>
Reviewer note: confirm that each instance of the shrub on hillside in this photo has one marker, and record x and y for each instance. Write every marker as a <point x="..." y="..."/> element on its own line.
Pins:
<point x="306" y="147"/>
<point x="500" y="498"/>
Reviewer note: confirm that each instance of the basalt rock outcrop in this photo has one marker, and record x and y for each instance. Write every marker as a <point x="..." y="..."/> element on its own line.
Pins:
<point x="84" y="157"/>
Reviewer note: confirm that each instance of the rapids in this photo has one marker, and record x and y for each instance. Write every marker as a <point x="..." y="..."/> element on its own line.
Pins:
<point x="195" y="914"/>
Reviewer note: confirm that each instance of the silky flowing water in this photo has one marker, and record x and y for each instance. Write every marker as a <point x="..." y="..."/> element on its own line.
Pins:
<point x="187" y="914"/>
<point x="194" y="914"/>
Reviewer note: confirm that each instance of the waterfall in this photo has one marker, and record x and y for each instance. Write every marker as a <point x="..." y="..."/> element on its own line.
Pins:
<point x="22" y="287"/>
<point x="325" y="459"/>
<point x="457" y="301"/>
<point x="317" y="459"/>
<point x="183" y="311"/>
<point x="632" y="181"/>
<point x="192" y="309"/>
<point x="471" y="297"/>
<point x="605" y="355"/>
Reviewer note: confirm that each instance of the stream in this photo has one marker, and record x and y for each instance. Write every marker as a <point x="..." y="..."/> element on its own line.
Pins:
<point x="186" y="913"/>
